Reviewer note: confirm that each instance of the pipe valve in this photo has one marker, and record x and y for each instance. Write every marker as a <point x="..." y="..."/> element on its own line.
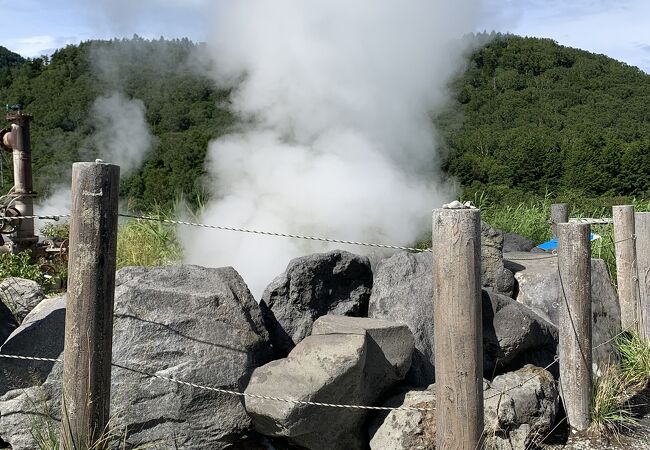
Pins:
<point x="7" y="139"/>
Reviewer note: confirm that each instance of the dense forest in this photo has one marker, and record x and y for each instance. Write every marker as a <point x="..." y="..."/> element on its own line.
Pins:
<point x="532" y="116"/>
<point x="528" y="117"/>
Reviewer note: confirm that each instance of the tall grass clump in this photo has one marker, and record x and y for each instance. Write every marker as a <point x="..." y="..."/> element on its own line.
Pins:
<point x="611" y="411"/>
<point x="148" y="242"/>
<point x="635" y="358"/>
<point x="529" y="218"/>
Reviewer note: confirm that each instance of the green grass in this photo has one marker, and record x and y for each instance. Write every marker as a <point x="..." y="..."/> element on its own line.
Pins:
<point x="139" y="243"/>
<point x="148" y="243"/>
<point x="611" y="411"/>
<point x="21" y="265"/>
<point x="635" y="358"/>
<point x="529" y="217"/>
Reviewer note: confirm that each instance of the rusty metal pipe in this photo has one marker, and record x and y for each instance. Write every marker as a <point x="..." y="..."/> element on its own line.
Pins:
<point x="19" y="141"/>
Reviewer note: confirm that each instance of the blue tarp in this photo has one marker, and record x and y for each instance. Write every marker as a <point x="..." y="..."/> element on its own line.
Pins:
<point x="552" y="244"/>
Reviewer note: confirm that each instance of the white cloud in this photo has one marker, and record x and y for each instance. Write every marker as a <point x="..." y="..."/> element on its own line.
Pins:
<point x="32" y="46"/>
<point x="617" y="28"/>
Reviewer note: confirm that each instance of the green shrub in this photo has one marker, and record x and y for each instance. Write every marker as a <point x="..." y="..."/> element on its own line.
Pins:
<point x="610" y="408"/>
<point x="54" y="230"/>
<point x="147" y="243"/>
<point x="635" y="358"/>
<point x="20" y="265"/>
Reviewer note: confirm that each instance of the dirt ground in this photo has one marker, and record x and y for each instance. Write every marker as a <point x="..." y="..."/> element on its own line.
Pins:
<point x="636" y="437"/>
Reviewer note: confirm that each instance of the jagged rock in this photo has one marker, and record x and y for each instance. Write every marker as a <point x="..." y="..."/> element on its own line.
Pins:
<point x="403" y="293"/>
<point x="346" y="361"/>
<point x="8" y="323"/>
<point x="514" y="415"/>
<point x="494" y="275"/>
<point x="40" y="335"/>
<point x="20" y="295"/>
<point x="520" y="408"/>
<point x="513" y="242"/>
<point x="514" y="335"/>
<point x="539" y="288"/>
<point x="406" y="430"/>
<point x="336" y="282"/>
<point x="186" y="322"/>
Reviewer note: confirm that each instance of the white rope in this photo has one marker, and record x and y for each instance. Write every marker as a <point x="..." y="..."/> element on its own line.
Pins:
<point x="537" y="258"/>
<point x="556" y="359"/>
<point x="628" y="329"/>
<point x="277" y="399"/>
<point x="230" y="392"/>
<point x="29" y="358"/>
<point x="592" y="221"/>
<point x="51" y="217"/>
<point x="271" y="233"/>
<point x="244" y="230"/>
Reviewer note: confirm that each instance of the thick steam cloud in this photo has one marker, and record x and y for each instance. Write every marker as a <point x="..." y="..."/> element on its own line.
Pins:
<point x="122" y="135"/>
<point x="339" y="96"/>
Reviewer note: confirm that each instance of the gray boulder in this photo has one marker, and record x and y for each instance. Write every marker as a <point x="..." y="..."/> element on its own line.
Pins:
<point x="336" y="282"/>
<point x="539" y="288"/>
<point x="513" y="242"/>
<point x="20" y="295"/>
<point x="185" y="322"/>
<point x="40" y="335"/>
<point x="345" y="361"/>
<point x="8" y="323"/>
<point x="494" y="275"/>
<point x="406" y="429"/>
<point x="514" y="335"/>
<point x="403" y="293"/>
<point x="519" y="407"/>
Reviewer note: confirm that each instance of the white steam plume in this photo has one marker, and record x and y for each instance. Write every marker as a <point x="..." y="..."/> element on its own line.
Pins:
<point x="340" y="94"/>
<point x="122" y="135"/>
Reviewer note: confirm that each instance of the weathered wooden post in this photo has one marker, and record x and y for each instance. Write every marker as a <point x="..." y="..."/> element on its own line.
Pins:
<point x="559" y="214"/>
<point x="574" y="260"/>
<point x="458" y="335"/>
<point x="642" y="231"/>
<point x="626" y="271"/>
<point x="89" y="316"/>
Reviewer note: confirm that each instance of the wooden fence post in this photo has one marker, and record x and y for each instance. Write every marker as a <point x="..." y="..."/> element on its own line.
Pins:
<point x="626" y="267"/>
<point x="89" y="317"/>
<point x="458" y="336"/>
<point x="642" y="231"/>
<point x="574" y="259"/>
<point x="559" y="214"/>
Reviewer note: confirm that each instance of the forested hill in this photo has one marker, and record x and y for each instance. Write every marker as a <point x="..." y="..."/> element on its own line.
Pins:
<point x="533" y="115"/>
<point x="9" y="59"/>
<point x="184" y="111"/>
<point x="528" y="115"/>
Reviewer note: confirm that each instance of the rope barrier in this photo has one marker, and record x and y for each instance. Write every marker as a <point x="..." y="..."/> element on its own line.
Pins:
<point x="507" y="258"/>
<point x="613" y="338"/>
<point x="30" y="358"/>
<point x="631" y="238"/>
<point x="593" y="221"/>
<point x="245" y="230"/>
<point x="50" y="217"/>
<point x="272" y="233"/>
<point x="500" y="393"/>
<point x="235" y="393"/>
<point x="265" y="397"/>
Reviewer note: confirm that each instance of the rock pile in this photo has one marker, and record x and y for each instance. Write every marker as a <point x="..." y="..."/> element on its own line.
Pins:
<point x="328" y="330"/>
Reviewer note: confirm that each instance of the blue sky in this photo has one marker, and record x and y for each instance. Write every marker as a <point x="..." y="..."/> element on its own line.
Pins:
<point x="617" y="28"/>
